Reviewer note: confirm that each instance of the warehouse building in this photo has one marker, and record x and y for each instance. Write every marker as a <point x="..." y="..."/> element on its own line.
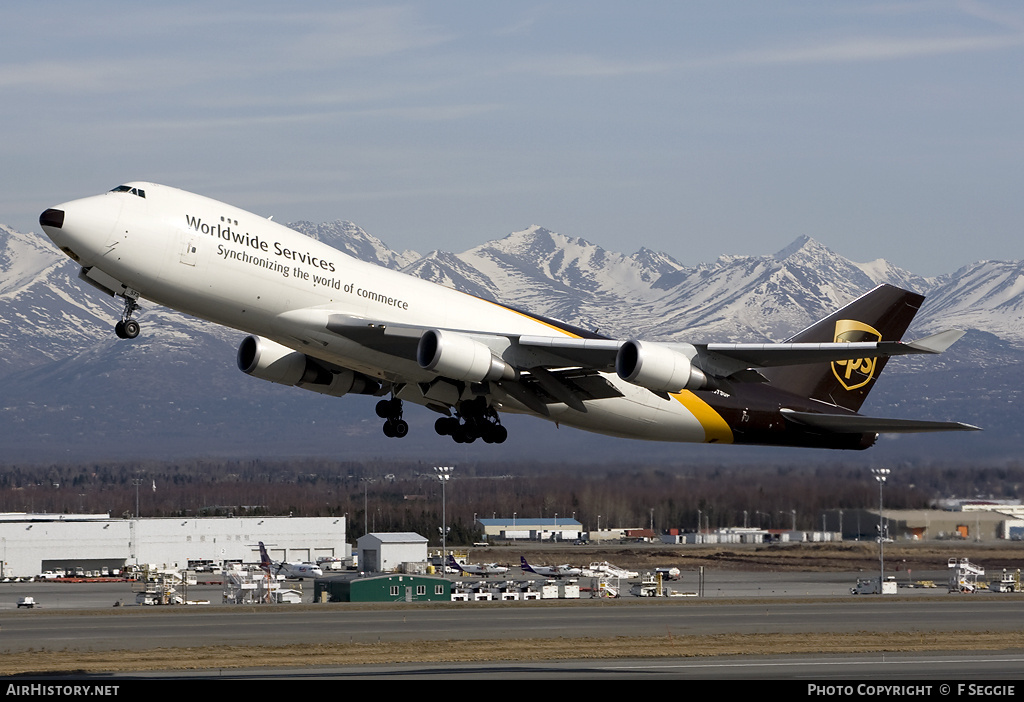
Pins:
<point x="31" y="544"/>
<point x="531" y="528"/>
<point x="381" y="553"/>
<point x="927" y="524"/>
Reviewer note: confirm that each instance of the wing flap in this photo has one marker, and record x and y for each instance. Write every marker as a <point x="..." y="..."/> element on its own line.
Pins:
<point x="594" y="354"/>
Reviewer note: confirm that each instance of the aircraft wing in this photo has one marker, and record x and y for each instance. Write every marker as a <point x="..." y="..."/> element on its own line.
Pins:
<point x="535" y="351"/>
<point x="594" y="354"/>
<point x="726" y="359"/>
<point x="857" y="424"/>
<point x="536" y="354"/>
<point x="392" y="339"/>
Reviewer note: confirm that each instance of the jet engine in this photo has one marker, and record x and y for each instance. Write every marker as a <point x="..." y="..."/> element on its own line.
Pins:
<point x="659" y="367"/>
<point x="268" y="360"/>
<point x="459" y="357"/>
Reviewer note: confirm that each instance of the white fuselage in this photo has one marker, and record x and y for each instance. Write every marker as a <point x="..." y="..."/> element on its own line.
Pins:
<point x="220" y="263"/>
<point x="299" y="571"/>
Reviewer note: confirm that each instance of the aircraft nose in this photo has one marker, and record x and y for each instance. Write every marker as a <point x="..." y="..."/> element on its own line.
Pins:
<point x="81" y="228"/>
<point x="52" y="218"/>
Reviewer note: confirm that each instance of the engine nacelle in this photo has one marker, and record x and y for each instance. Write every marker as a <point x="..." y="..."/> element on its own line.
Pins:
<point x="268" y="360"/>
<point x="659" y="367"/>
<point x="460" y="357"/>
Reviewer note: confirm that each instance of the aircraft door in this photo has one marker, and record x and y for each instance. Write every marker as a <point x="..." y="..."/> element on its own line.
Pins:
<point x="190" y="251"/>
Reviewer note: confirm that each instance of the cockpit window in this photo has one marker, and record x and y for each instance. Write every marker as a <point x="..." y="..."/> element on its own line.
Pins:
<point x="129" y="189"/>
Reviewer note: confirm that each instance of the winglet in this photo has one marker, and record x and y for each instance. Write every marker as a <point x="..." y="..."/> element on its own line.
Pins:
<point x="937" y="343"/>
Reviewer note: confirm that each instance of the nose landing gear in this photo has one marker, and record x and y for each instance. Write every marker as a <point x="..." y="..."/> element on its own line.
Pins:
<point x="128" y="328"/>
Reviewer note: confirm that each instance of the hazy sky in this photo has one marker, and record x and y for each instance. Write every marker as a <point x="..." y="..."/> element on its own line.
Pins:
<point x="885" y="130"/>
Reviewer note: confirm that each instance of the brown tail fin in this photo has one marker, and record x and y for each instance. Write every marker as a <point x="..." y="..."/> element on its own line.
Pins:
<point x="880" y="315"/>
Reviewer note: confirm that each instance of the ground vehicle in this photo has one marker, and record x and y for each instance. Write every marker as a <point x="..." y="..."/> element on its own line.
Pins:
<point x="869" y="586"/>
<point x="27" y="602"/>
<point x="668" y="573"/>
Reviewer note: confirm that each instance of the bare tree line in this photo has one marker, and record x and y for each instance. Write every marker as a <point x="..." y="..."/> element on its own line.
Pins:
<point x="389" y="496"/>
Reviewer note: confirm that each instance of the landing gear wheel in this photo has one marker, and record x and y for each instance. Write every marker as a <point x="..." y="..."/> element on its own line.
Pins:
<point x="495" y="434"/>
<point x="446" y="426"/>
<point x="389" y="409"/>
<point x="474" y="419"/>
<point x="396" y="429"/>
<point x="391" y="412"/>
<point x="128" y="328"/>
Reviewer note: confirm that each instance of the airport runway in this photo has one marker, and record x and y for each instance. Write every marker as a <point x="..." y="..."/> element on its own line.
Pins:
<point x="137" y="627"/>
<point x="80" y="617"/>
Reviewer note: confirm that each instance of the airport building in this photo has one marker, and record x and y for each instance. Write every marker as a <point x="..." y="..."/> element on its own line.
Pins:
<point x="393" y="587"/>
<point x="380" y="553"/>
<point x="31" y="544"/>
<point x="995" y="522"/>
<point x="531" y="528"/>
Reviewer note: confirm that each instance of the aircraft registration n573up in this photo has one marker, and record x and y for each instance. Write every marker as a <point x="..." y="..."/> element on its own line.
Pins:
<point x="322" y="321"/>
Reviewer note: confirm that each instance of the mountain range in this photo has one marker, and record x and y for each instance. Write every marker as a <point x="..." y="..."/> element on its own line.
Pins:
<point x="73" y="391"/>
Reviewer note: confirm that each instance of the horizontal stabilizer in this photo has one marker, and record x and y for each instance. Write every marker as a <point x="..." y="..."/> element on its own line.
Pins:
<point x="937" y="343"/>
<point x="857" y="424"/>
<point x="790" y="354"/>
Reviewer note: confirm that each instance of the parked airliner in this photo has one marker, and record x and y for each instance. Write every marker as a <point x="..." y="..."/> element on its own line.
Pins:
<point x="291" y="571"/>
<point x="323" y="321"/>
<point x="559" y="571"/>
<point x="470" y="569"/>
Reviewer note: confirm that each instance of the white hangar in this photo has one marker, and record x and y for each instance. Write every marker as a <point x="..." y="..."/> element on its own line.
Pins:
<point x="31" y="544"/>
<point x="383" y="553"/>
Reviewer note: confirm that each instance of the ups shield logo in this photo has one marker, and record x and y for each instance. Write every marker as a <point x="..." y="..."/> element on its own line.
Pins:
<point x="858" y="372"/>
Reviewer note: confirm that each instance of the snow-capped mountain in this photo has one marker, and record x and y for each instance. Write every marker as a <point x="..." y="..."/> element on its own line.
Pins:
<point x="176" y="388"/>
<point x="987" y="295"/>
<point x="356" y="242"/>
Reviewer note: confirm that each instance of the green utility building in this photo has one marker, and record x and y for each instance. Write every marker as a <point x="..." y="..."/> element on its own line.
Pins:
<point x="391" y="587"/>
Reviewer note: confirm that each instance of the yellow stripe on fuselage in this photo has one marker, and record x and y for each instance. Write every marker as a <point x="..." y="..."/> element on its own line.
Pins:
<point x="532" y="318"/>
<point x="716" y="429"/>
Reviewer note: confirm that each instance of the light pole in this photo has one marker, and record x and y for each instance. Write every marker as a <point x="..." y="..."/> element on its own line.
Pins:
<point x="136" y="482"/>
<point x="881" y="475"/>
<point x="366" y="512"/>
<point x="793" y="513"/>
<point x="444" y="474"/>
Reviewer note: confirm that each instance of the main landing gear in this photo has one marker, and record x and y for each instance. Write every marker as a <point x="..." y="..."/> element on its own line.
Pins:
<point x="128" y="328"/>
<point x="391" y="412"/>
<point x="473" y="420"/>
